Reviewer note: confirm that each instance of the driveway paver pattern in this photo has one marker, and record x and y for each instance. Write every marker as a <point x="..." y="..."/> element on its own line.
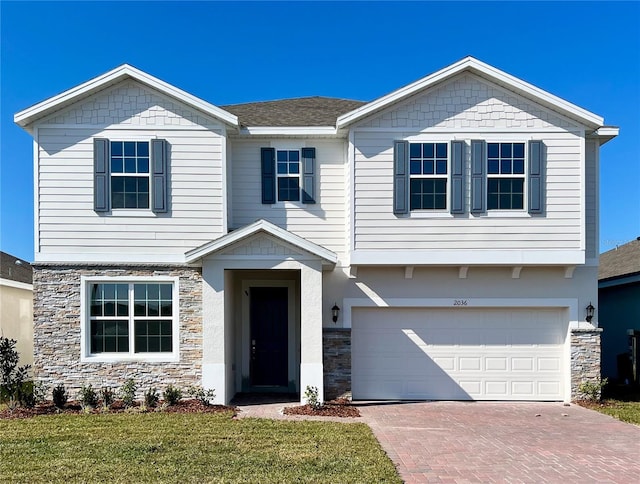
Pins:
<point x="464" y="442"/>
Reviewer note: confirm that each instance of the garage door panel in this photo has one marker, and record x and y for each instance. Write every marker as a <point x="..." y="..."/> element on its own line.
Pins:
<point x="491" y="354"/>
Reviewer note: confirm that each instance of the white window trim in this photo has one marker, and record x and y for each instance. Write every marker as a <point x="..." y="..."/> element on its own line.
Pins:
<point x="289" y="175"/>
<point x="131" y="211"/>
<point x="85" y="347"/>
<point x="435" y="212"/>
<point x="506" y="212"/>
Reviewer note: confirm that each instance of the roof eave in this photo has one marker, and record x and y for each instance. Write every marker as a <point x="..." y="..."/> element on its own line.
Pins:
<point x="475" y="66"/>
<point x="605" y="133"/>
<point x="60" y="101"/>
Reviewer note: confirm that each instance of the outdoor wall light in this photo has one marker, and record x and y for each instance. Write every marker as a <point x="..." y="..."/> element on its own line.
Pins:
<point x="335" y="311"/>
<point x="590" y="311"/>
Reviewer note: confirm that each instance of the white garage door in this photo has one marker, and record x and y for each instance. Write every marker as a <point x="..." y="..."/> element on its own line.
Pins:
<point x="458" y="354"/>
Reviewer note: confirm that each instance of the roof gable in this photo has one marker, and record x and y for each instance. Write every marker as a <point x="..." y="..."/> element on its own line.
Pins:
<point x="470" y="64"/>
<point x="245" y="235"/>
<point x="65" y="99"/>
<point x="464" y="101"/>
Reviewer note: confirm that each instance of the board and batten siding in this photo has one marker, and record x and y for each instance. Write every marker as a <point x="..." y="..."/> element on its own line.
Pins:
<point x="67" y="222"/>
<point x="454" y="112"/>
<point x="322" y="223"/>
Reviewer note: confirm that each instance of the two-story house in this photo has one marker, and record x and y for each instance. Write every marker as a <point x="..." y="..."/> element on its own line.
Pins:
<point x="439" y="242"/>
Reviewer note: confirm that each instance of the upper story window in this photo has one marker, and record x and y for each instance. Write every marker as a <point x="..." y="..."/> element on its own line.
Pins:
<point x="288" y="173"/>
<point x="129" y="174"/>
<point x="505" y="176"/>
<point x="428" y="176"/>
<point x="131" y="319"/>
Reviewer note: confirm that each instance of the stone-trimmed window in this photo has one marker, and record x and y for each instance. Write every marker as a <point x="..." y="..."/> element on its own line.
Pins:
<point x="130" y="318"/>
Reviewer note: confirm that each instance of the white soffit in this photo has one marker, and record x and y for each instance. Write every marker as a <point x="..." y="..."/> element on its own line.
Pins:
<point x="490" y="73"/>
<point x="67" y="98"/>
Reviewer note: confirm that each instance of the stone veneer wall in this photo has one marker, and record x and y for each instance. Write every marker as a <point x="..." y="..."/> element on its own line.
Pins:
<point x="336" y="343"/>
<point x="585" y="359"/>
<point x="56" y="320"/>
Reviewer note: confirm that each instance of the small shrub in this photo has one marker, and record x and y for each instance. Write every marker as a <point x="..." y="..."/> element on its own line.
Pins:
<point x="311" y="396"/>
<point x="31" y="393"/>
<point x="88" y="397"/>
<point x="12" y="376"/>
<point x="107" y="397"/>
<point x="128" y="392"/>
<point x="60" y="396"/>
<point x="205" y="397"/>
<point x="592" y="390"/>
<point x="172" y="395"/>
<point x="151" y="398"/>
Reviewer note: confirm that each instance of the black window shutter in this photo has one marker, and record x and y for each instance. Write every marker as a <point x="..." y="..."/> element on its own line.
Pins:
<point x="536" y="177"/>
<point x="457" y="176"/>
<point x="478" y="178"/>
<point x="308" y="175"/>
<point x="101" y="175"/>
<point x="160" y="185"/>
<point x="268" y="162"/>
<point x="400" y="177"/>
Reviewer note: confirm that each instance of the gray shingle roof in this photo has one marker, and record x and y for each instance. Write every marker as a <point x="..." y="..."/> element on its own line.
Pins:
<point x="621" y="261"/>
<point x="20" y="272"/>
<point x="302" y="111"/>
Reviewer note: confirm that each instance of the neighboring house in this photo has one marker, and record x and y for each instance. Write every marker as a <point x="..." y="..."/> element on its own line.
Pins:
<point x="453" y="222"/>
<point x="619" y="307"/>
<point x="16" y="304"/>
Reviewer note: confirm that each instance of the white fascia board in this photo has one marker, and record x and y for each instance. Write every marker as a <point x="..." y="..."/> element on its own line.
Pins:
<point x="254" y="228"/>
<point x="289" y="131"/>
<point x="16" y="284"/>
<point x="467" y="257"/>
<point x="484" y="70"/>
<point x="605" y="133"/>
<point x="66" y="98"/>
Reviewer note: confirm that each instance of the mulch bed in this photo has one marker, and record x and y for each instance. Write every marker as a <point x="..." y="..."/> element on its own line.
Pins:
<point x="48" y="408"/>
<point x="340" y="407"/>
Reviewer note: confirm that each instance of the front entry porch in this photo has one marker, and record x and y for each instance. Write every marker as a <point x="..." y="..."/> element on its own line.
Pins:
<point x="262" y="312"/>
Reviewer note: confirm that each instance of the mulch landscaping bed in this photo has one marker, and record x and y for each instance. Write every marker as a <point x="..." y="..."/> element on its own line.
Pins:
<point x="340" y="407"/>
<point x="48" y="408"/>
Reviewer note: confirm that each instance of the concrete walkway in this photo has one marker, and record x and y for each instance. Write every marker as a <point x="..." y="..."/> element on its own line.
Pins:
<point x="505" y="442"/>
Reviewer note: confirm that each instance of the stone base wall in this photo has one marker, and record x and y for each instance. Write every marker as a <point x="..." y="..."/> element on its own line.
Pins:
<point x="337" y="362"/>
<point x="56" y="320"/>
<point x="585" y="359"/>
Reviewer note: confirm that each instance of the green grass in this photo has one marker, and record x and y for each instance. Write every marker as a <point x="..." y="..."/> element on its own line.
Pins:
<point x="625" y="411"/>
<point x="188" y="448"/>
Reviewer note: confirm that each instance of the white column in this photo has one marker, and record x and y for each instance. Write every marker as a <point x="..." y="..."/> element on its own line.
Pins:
<point x="213" y="331"/>
<point x="311" y="371"/>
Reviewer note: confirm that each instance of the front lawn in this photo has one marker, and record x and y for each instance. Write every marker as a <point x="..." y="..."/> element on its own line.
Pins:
<point x="625" y="411"/>
<point x="161" y="447"/>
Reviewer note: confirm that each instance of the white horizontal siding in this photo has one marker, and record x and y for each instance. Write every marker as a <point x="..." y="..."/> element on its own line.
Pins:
<point x="322" y="223"/>
<point x="377" y="227"/>
<point x="68" y="223"/>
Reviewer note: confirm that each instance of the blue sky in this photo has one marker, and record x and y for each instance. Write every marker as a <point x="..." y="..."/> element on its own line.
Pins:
<point x="587" y="53"/>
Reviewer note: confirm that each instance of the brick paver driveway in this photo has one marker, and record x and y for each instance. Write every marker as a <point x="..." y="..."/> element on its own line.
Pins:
<point x="504" y="442"/>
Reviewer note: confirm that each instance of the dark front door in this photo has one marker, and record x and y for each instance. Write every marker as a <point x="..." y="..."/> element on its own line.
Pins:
<point x="269" y="336"/>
